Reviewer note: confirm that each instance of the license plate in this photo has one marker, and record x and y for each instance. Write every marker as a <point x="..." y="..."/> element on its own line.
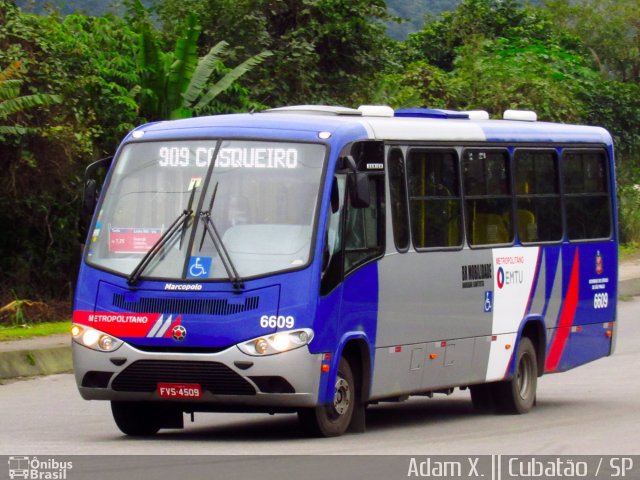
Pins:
<point x="179" y="390"/>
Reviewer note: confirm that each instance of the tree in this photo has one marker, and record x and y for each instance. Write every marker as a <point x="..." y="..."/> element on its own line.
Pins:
<point x="325" y="51"/>
<point x="500" y="74"/>
<point x="609" y="29"/>
<point x="88" y="63"/>
<point x="438" y="41"/>
<point x="177" y="84"/>
<point x="12" y="103"/>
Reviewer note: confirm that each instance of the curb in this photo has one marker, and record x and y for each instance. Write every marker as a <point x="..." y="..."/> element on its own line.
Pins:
<point x="35" y="362"/>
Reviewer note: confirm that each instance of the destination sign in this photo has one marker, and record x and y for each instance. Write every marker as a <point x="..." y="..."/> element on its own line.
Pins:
<point x="254" y="157"/>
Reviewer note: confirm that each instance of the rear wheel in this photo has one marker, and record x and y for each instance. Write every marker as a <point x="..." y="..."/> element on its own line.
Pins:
<point x="482" y="397"/>
<point x="333" y="419"/>
<point x="518" y="395"/>
<point x="136" y="419"/>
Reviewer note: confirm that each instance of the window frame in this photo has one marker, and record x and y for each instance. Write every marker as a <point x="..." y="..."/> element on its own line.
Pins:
<point x="557" y="160"/>
<point x="404" y="194"/>
<point x="508" y="149"/>
<point x="412" y="234"/>
<point x="607" y="182"/>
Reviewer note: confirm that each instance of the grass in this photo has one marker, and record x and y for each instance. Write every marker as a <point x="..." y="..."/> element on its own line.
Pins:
<point x="629" y="251"/>
<point x="30" y="331"/>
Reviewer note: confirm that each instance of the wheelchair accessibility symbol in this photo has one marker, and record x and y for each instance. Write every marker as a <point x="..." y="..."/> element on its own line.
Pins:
<point x="488" y="301"/>
<point x="199" y="267"/>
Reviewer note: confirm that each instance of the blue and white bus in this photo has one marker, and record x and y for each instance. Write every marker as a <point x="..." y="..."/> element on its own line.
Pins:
<point x="317" y="259"/>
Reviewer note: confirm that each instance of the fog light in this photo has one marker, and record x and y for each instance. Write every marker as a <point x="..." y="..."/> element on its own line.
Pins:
<point x="303" y="337"/>
<point x="261" y="345"/>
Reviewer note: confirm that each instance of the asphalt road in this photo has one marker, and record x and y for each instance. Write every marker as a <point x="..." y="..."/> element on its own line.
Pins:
<point x="594" y="409"/>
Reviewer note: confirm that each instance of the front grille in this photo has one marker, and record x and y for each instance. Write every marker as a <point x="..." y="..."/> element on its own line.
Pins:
<point x="193" y="306"/>
<point x="172" y="349"/>
<point x="144" y="376"/>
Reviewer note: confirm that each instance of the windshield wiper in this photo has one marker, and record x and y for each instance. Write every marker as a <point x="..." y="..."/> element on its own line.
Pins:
<point x="179" y="224"/>
<point x="210" y="227"/>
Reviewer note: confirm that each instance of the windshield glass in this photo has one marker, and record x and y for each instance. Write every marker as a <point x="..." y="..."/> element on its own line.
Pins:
<point x="264" y="207"/>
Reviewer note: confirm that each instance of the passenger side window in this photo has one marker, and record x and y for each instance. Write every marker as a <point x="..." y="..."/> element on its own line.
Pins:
<point x="398" y="200"/>
<point x="434" y="199"/>
<point x="364" y="227"/>
<point x="586" y="189"/>
<point x="487" y="193"/>
<point x="538" y="208"/>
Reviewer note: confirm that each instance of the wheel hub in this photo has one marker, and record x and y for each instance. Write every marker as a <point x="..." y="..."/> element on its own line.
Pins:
<point x="342" y="397"/>
<point x="524" y="376"/>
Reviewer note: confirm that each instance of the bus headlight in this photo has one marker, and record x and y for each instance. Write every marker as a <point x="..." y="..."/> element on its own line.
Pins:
<point x="277" y="343"/>
<point x="94" y="339"/>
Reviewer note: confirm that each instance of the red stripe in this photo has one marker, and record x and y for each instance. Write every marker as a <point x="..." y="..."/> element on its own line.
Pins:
<point x="117" y="324"/>
<point x="566" y="318"/>
<point x="169" y="331"/>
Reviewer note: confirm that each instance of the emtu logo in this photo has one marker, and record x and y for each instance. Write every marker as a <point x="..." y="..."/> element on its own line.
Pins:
<point x="510" y="277"/>
<point x="500" y="277"/>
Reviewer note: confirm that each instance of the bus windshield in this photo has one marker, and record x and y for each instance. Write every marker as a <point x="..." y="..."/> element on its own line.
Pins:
<point x="261" y="197"/>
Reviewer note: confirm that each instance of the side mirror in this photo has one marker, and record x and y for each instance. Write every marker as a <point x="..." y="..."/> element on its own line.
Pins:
<point x="93" y="177"/>
<point x="90" y="196"/>
<point x="359" y="190"/>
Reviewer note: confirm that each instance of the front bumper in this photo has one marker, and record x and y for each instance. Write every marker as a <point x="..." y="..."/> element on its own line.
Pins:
<point x="298" y="367"/>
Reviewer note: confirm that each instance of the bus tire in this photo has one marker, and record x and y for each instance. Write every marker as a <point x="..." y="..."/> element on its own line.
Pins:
<point x="334" y="419"/>
<point x="482" y="397"/>
<point x="136" y="419"/>
<point x="518" y="395"/>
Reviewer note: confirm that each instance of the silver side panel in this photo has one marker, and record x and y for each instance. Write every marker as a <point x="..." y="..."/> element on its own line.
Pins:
<point x="463" y="309"/>
<point x="423" y="297"/>
<point x="424" y="306"/>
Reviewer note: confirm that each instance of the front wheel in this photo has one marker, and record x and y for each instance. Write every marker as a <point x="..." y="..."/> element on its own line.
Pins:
<point x="518" y="395"/>
<point x="138" y="419"/>
<point x="333" y="420"/>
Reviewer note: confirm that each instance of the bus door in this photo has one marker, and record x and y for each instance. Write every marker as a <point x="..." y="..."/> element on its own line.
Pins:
<point x="353" y="240"/>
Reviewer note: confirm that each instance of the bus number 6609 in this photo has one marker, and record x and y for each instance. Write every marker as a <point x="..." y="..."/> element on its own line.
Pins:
<point x="280" y="321"/>
<point x="601" y="300"/>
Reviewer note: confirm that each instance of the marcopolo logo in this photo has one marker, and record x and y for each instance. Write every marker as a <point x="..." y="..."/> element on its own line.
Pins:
<point x="184" y="287"/>
<point x="38" y="469"/>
